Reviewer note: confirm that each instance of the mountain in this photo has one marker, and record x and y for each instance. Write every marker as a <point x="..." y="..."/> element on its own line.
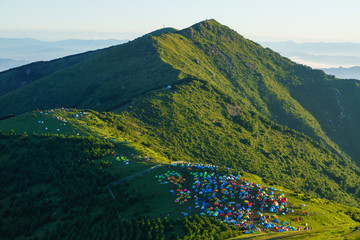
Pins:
<point x="318" y="54"/>
<point x="203" y="94"/>
<point x="299" y="97"/>
<point x="348" y="73"/>
<point x="25" y="50"/>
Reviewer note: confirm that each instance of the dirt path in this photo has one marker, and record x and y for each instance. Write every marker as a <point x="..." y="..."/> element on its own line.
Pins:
<point x="137" y="174"/>
<point x="145" y="171"/>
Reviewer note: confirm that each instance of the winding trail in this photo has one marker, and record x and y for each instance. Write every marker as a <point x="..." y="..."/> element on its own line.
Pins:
<point x="145" y="171"/>
<point x="137" y="174"/>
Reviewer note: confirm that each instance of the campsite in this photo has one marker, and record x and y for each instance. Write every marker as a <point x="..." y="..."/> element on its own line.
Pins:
<point x="136" y="185"/>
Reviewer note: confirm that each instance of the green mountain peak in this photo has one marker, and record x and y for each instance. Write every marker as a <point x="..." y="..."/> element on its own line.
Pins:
<point x="259" y="78"/>
<point x="144" y="77"/>
<point x="162" y="31"/>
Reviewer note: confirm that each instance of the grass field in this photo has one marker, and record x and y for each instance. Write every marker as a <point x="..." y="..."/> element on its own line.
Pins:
<point x="334" y="232"/>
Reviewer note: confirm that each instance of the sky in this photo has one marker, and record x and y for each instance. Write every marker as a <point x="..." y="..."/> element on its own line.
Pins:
<point x="258" y="20"/>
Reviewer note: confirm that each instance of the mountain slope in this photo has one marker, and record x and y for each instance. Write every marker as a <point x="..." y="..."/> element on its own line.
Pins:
<point x="14" y="79"/>
<point x="288" y="93"/>
<point x="197" y="122"/>
<point x="266" y="87"/>
<point x="241" y="68"/>
<point x="194" y="121"/>
<point x="102" y="82"/>
<point x="260" y="78"/>
<point x="68" y="187"/>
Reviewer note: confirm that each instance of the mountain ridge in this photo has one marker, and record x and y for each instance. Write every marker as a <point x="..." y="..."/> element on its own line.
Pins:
<point x="28" y="50"/>
<point x="262" y="79"/>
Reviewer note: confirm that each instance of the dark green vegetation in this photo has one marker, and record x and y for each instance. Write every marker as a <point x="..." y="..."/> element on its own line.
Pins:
<point x="229" y="102"/>
<point x="44" y="178"/>
<point x="57" y="187"/>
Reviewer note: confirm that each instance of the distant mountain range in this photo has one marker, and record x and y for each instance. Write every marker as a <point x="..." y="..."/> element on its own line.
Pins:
<point x="15" y="52"/>
<point x="347" y="73"/>
<point x="316" y="48"/>
<point x="321" y="55"/>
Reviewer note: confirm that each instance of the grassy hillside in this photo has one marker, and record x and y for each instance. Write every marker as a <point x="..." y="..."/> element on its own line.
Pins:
<point x="56" y="186"/>
<point x="103" y="82"/>
<point x="239" y="67"/>
<point x="289" y="94"/>
<point x="334" y="103"/>
<point x="196" y="122"/>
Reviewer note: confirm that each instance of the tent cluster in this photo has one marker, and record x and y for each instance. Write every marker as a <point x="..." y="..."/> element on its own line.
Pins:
<point x="48" y="111"/>
<point x="171" y="177"/>
<point x="59" y="118"/>
<point x="229" y="198"/>
<point x="58" y="112"/>
<point x="81" y="114"/>
<point x="146" y="158"/>
<point x="200" y="166"/>
<point x="52" y="110"/>
<point x="279" y="228"/>
<point x="110" y="138"/>
<point x="120" y="158"/>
